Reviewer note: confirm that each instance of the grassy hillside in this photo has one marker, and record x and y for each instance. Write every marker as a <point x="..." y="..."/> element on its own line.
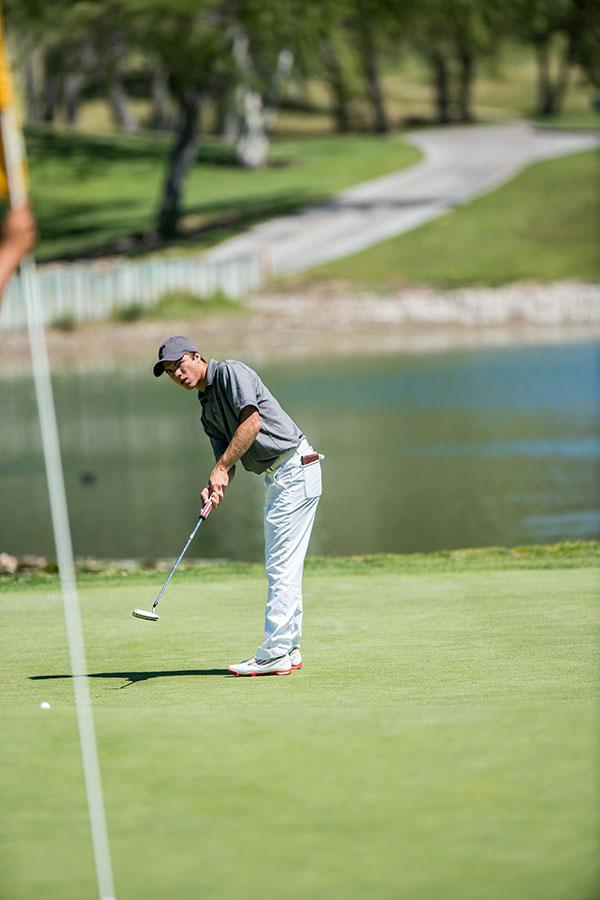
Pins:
<point x="91" y="190"/>
<point x="441" y="739"/>
<point x="542" y="225"/>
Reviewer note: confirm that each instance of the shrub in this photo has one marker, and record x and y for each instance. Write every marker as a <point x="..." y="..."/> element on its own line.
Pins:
<point x="130" y="313"/>
<point x="183" y="304"/>
<point x="65" y="322"/>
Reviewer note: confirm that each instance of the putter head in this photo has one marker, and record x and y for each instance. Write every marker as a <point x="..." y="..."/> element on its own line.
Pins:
<point x="145" y="614"/>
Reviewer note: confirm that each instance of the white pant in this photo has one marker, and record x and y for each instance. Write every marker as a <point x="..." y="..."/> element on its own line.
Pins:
<point x="292" y="495"/>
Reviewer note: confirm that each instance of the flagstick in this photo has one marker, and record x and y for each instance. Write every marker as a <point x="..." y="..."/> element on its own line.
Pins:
<point x="13" y="154"/>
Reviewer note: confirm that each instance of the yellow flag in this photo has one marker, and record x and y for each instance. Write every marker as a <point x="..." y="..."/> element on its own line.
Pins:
<point x="6" y="93"/>
<point x="7" y="107"/>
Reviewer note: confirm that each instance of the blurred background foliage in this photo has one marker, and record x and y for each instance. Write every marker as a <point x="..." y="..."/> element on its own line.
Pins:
<point x="221" y="83"/>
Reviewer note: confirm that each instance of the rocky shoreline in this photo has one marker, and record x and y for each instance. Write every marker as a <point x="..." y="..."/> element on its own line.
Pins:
<point x="26" y="569"/>
<point x="333" y="320"/>
<point x="31" y="564"/>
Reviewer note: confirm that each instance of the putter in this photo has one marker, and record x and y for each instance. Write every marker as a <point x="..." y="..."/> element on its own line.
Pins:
<point x="151" y="615"/>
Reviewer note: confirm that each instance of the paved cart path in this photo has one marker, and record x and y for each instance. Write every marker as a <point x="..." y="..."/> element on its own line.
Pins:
<point x="459" y="163"/>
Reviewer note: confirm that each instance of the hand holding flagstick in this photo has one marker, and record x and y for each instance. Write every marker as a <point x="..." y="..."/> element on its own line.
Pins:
<point x="19" y="235"/>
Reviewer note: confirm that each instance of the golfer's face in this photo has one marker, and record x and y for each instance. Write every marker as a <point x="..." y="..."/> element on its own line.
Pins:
<point x="185" y="372"/>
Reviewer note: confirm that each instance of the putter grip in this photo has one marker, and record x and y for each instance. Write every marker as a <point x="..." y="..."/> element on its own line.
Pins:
<point x="205" y="510"/>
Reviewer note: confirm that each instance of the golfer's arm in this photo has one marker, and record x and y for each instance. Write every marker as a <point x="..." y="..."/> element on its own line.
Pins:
<point x="243" y="438"/>
<point x="17" y="240"/>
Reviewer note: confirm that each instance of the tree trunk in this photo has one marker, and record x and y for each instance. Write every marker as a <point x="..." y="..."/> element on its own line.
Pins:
<point x="551" y="93"/>
<point x="124" y="117"/>
<point x="562" y="82"/>
<point x="231" y="122"/>
<point x="160" y="99"/>
<point x="72" y="94"/>
<point x="51" y="92"/>
<point x="285" y="62"/>
<point x="465" y="84"/>
<point x="183" y="155"/>
<point x="441" y="83"/>
<point x="370" y="67"/>
<point x="222" y="103"/>
<point x="33" y="102"/>
<point x="336" y="81"/>
<point x="375" y="93"/>
<point x="252" y="144"/>
<point x="545" y="100"/>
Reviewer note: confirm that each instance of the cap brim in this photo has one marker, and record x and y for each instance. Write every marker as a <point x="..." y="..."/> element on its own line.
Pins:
<point x="173" y="356"/>
<point x="159" y="367"/>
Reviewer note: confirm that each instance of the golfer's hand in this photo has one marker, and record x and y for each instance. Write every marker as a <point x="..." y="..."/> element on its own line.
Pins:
<point x="217" y="483"/>
<point x="19" y="231"/>
<point x="205" y="496"/>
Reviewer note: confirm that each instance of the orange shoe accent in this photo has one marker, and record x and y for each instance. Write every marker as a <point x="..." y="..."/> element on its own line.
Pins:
<point x="262" y="674"/>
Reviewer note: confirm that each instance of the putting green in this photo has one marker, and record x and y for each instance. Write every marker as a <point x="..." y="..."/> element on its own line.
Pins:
<point x="441" y="740"/>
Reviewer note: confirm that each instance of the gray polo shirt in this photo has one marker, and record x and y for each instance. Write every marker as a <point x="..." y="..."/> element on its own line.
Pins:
<point x="231" y="386"/>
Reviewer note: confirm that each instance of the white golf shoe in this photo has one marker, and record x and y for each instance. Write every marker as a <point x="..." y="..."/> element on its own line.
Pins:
<point x="296" y="658"/>
<point x="280" y="666"/>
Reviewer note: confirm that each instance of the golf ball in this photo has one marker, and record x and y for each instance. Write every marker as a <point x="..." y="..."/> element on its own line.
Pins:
<point x="45" y="705"/>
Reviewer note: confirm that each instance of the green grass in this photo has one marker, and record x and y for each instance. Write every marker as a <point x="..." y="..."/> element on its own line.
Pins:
<point x="543" y="225"/>
<point x="441" y="740"/>
<point x="561" y="555"/>
<point x="89" y="191"/>
<point x="588" y="119"/>
<point x="180" y="304"/>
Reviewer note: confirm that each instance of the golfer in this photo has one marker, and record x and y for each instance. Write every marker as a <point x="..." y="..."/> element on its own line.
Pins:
<point x="245" y="423"/>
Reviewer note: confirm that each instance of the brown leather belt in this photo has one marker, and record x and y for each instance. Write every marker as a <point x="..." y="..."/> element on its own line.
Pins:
<point x="309" y="458"/>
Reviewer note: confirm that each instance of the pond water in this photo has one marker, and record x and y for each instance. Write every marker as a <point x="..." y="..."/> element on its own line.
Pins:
<point x="424" y="451"/>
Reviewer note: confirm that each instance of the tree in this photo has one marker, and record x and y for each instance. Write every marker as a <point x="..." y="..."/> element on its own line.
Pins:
<point x="48" y="52"/>
<point x="542" y="25"/>
<point x="584" y="39"/>
<point x="111" y="51"/>
<point x="453" y="36"/>
<point x="336" y="76"/>
<point x="160" y="97"/>
<point x="266" y="40"/>
<point x="78" y="41"/>
<point x="327" y="49"/>
<point x="190" y="40"/>
<point x="367" y="19"/>
<point x="253" y="110"/>
<point x="563" y="34"/>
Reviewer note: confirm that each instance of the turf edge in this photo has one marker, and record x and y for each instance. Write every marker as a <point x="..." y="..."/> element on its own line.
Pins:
<point x="561" y="555"/>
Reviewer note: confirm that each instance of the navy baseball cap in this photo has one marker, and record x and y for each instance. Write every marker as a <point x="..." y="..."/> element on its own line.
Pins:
<point x="172" y="350"/>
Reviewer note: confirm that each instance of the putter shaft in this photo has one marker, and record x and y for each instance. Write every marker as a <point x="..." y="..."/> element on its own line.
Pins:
<point x="203" y="515"/>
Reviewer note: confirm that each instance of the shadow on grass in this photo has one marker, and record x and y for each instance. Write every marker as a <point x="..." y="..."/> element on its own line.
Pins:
<point x="243" y="214"/>
<point x="134" y="677"/>
<point x="92" y="153"/>
<point x="226" y="219"/>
